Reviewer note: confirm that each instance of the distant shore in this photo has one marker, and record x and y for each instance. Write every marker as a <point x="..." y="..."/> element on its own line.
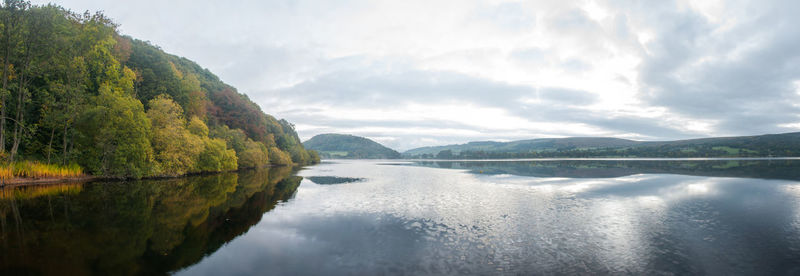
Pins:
<point x="575" y="159"/>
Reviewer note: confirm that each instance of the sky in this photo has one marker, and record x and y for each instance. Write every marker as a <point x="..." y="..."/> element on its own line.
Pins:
<point x="421" y="73"/>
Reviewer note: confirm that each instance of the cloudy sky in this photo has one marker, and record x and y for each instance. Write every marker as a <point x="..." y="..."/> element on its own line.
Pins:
<point x="418" y="73"/>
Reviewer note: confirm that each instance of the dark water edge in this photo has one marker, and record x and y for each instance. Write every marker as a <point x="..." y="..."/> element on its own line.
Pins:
<point x="142" y="227"/>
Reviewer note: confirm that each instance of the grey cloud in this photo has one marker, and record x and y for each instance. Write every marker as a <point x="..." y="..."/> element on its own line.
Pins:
<point x="366" y="89"/>
<point x="393" y="90"/>
<point x="567" y="96"/>
<point x="333" y="122"/>
<point x="576" y="65"/>
<point x="575" y="19"/>
<point x="738" y="72"/>
<point x="748" y="84"/>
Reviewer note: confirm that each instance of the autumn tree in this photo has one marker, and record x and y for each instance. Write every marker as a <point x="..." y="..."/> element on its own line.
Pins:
<point x="176" y="148"/>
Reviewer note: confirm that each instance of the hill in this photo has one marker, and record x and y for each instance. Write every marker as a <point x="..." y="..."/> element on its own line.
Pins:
<point x="79" y="92"/>
<point x="349" y="146"/>
<point x="771" y="145"/>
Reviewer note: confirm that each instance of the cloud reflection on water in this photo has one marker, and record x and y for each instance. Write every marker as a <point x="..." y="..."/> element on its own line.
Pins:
<point x="418" y="220"/>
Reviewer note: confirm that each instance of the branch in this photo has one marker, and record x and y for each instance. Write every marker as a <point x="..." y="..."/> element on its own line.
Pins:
<point x="20" y="124"/>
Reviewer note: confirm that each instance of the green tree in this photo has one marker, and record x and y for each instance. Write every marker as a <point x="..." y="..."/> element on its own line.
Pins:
<point x="176" y="149"/>
<point x="114" y="136"/>
<point x="12" y="14"/>
<point x="255" y="155"/>
<point x="216" y="157"/>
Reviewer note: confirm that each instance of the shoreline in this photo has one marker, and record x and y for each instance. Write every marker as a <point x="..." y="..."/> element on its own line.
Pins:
<point x="21" y="182"/>
<point x="574" y="159"/>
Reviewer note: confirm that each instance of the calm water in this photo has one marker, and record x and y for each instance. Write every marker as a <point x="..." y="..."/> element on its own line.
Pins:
<point x="393" y="217"/>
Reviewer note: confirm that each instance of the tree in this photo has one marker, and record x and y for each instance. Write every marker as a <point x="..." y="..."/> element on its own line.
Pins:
<point x="216" y="157"/>
<point x="235" y="138"/>
<point x="198" y="127"/>
<point x="73" y="90"/>
<point x="196" y="98"/>
<point x="114" y="136"/>
<point x="279" y="157"/>
<point x="12" y="17"/>
<point x="313" y="156"/>
<point x="255" y="155"/>
<point x="176" y="148"/>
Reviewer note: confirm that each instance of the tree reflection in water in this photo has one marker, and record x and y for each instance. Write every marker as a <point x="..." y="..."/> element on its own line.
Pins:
<point x="134" y="227"/>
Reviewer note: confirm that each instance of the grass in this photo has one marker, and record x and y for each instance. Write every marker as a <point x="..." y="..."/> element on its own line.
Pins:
<point x="32" y="169"/>
<point x="727" y="149"/>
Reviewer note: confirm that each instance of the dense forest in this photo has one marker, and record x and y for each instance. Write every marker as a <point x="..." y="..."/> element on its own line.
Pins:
<point x="349" y="147"/>
<point x="75" y="92"/>
<point x="771" y="145"/>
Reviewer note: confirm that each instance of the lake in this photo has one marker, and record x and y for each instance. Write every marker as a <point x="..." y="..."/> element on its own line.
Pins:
<point x="417" y="217"/>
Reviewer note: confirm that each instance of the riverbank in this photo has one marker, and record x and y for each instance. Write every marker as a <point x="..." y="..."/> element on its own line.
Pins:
<point x="29" y="181"/>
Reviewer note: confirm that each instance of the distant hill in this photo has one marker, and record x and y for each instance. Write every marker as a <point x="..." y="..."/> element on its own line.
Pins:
<point x="775" y="145"/>
<point x="349" y="146"/>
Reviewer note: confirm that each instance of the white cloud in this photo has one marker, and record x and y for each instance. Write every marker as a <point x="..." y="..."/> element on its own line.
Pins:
<point x="414" y="73"/>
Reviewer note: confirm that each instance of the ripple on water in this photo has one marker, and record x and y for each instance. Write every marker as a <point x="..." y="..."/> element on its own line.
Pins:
<point x="416" y="220"/>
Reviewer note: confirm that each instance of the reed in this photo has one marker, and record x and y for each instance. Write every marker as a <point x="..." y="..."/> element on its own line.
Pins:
<point x="33" y="169"/>
<point x="6" y="172"/>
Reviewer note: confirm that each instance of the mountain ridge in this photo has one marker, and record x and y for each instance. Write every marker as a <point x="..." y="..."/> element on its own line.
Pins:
<point x="784" y="145"/>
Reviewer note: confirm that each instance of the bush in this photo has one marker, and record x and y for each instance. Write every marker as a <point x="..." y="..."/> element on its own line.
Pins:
<point x="279" y="157"/>
<point x="216" y="157"/>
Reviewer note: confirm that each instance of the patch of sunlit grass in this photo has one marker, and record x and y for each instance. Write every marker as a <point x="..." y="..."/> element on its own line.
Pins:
<point x="29" y="169"/>
<point x="6" y="172"/>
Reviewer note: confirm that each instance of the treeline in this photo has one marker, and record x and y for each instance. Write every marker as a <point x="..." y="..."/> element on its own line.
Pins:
<point x="75" y="91"/>
<point x="662" y="151"/>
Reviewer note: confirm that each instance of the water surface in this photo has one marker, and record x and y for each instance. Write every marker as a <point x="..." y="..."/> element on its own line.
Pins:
<point x="380" y="217"/>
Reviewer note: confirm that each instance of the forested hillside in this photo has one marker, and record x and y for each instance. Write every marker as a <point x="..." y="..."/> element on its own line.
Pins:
<point x="349" y="146"/>
<point x="771" y="145"/>
<point x="75" y="91"/>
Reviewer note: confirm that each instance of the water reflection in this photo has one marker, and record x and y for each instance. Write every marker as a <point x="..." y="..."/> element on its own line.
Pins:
<point x="770" y="169"/>
<point x="707" y="217"/>
<point x="422" y="220"/>
<point x="141" y="227"/>
<point x="328" y="180"/>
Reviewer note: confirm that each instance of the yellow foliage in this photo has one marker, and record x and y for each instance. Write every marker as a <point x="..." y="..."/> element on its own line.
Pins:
<point x="176" y="148"/>
<point x="198" y="127"/>
<point x="28" y="192"/>
<point x="279" y="157"/>
<point x="28" y="169"/>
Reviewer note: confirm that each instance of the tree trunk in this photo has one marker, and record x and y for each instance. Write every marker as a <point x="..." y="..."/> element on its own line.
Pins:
<point x="20" y="117"/>
<point x="66" y="126"/>
<point x="64" y="143"/>
<point x="50" y="145"/>
<point x="3" y="96"/>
